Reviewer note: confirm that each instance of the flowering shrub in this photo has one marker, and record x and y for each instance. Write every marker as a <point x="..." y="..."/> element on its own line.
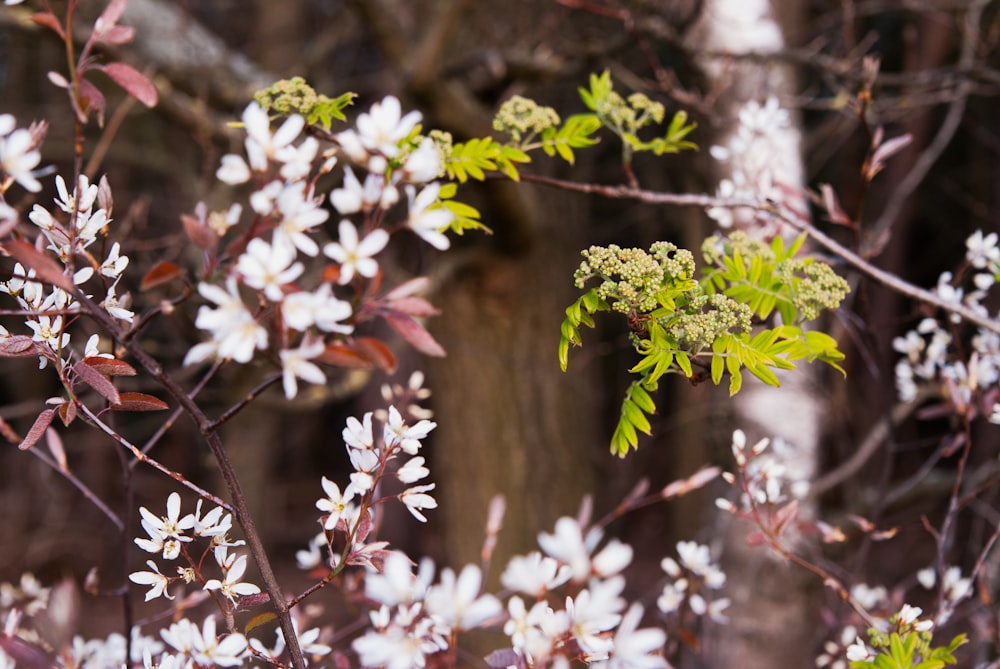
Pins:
<point x="275" y="290"/>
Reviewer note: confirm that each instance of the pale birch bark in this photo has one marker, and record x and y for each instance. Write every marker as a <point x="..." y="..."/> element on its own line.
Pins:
<point x="774" y="611"/>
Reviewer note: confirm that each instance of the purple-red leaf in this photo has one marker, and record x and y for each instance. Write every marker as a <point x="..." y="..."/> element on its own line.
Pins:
<point x="377" y="352"/>
<point x="37" y="430"/>
<point x="116" y="35"/>
<point x="139" y="402"/>
<point x="110" y="366"/>
<point x="161" y="273"/>
<point x="97" y="381"/>
<point x="134" y="82"/>
<point x="17" y="346"/>
<point x="67" y="412"/>
<point x="199" y="233"/>
<point x="110" y="15"/>
<point x="55" y="444"/>
<point x="24" y="653"/>
<point x="408" y="288"/>
<point x="414" y="306"/>
<point x="49" y="20"/>
<point x="415" y="334"/>
<point x="46" y="269"/>
<point x="92" y="99"/>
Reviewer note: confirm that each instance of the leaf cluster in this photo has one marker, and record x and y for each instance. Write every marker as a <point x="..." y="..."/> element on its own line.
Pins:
<point x="706" y="329"/>
<point x="910" y="650"/>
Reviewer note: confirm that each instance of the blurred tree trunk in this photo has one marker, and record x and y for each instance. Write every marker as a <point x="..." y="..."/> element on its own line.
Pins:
<point x="512" y="423"/>
<point x="774" y="616"/>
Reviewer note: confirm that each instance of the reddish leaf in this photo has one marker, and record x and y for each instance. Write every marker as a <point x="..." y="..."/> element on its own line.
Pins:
<point x="161" y="273"/>
<point x="259" y="619"/>
<point x="38" y="429"/>
<point x="408" y="288"/>
<point x="199" y="233"/>
<point x="67" y="412"/>
<point x="500" y="659"/>
<point x="24" y="653"/>
<point x="415" y="334"/>
<point x="331" y="274"/>
<point x="341" y="355"/>
<point x="49" y="20"/>
<point x="8" y="432"/>
<point x="92" y="100"/>
<point x="109" y="17"/>
<point x="17" y="346"/>
<point x="96" y="380"/>
<point x="46" y="269"/>
<point x="134" y="82"/>
<point x="697" y="480"/>
<point x="116" y="36"/>
<point x="139" y="402"/>
<point x="376" y="352"/>
<point x="110" y="366"/>
<point x="415" y="306"/>
<point x="55" y="444"/>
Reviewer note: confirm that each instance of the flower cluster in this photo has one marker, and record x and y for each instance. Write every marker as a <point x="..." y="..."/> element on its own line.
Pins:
<point x="171" y="535"/>
<point x="767" y="477"/>
<point x="524" y="118"/>
<point x="930" y="351"/>
<point x="80" y="218"/>
<point x="348" y="512"/>
<point x="954" y="588"/>
<point x="692" y="578"/>
<point x="296" y="321"/>
<point x="762" y="156"/>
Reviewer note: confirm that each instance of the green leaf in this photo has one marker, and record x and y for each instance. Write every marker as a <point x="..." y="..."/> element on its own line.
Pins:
<point x="642" y="398"/>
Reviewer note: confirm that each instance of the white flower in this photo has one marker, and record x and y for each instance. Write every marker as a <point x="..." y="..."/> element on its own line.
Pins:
<point x="982" y="251"/>
<point x="593" y="611"/>
<point x="115" y="264"/>
<point x="413" y="470"/>
<point x="427" y="222"/>
<point x="568" y="545"/>
<point x="358" y="434"/>
<point x="260" y="144"/>
<point x="295" y="365"/>
<point x="424" y="164"/>
<point x="235" y="332"/>
<point x="396" y="584"/>
<point x="19" y="156"/>
<point x="909" y="616"/>
<point x="297" y="160"/>
<point x="209" y="650"/>
<point x="233" y="170"/>
<point x="456" y="602"/>
<point x="231" y="586"/>
<point x="379" y="131"/>
<point x="268" y="267"/>
<point x="416" y="498"/>
<point x="634" y="648"/>
<point x="995" y="416"/>
<point x="304" y="309"/>
<point x="534" y="574"/>
<point x="355" y="256"/>
<point x="859" y="651"/>
<point x="335" y="503"/>
<point x="408" y="439"/>
<point x="299" y="214"/>
<point x="158" y="582"/>
<point x="355" y="197"/>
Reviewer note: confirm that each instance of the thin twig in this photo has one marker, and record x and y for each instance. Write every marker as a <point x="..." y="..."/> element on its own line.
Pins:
<point x="704" y="200"/>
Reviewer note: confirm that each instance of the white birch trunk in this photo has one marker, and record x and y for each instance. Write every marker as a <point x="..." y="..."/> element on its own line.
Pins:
<point x="774" y="611"/>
